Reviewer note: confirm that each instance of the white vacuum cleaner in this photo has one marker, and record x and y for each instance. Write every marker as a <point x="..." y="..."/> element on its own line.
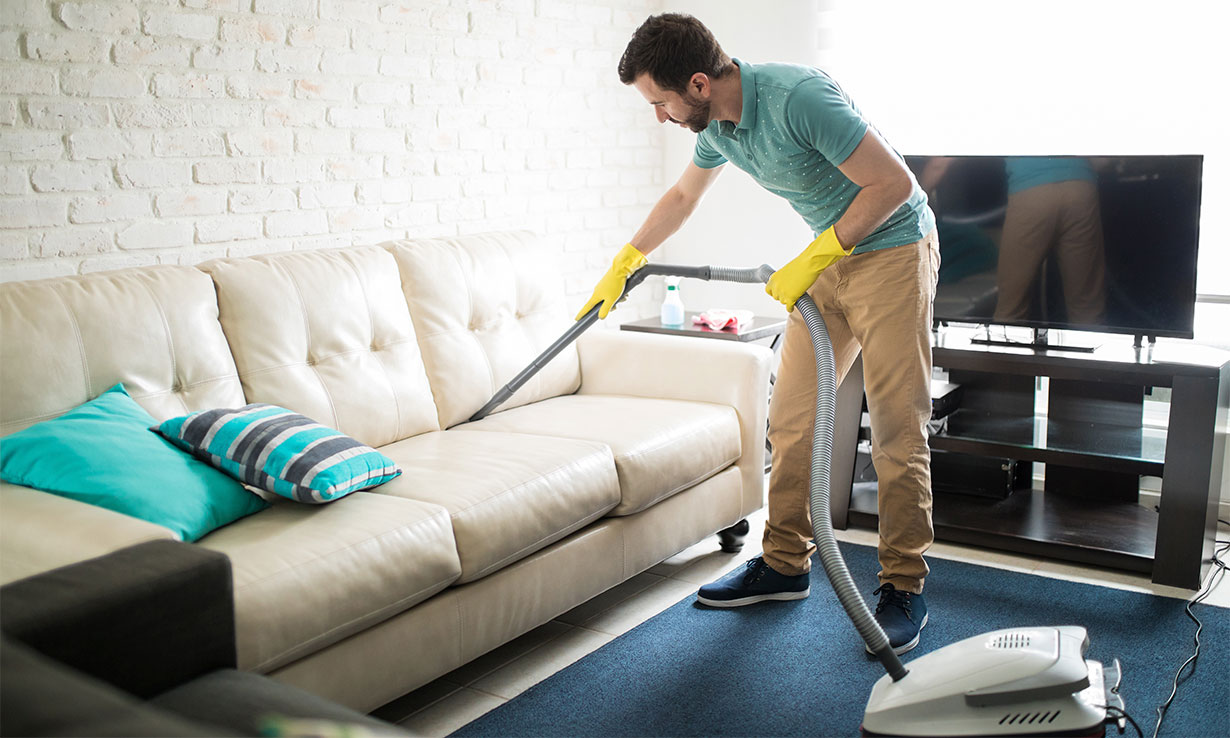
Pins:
<point x="1013" y="682"/>
<point x="1018" y="681"/>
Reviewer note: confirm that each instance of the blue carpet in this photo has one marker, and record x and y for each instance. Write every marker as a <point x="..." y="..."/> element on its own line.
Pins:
<point x="798" y="668"/>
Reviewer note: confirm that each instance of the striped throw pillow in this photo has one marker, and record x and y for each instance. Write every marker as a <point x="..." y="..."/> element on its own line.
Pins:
<point x="274" y="449"/>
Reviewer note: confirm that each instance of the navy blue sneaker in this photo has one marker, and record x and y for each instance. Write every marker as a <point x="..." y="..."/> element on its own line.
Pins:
<point x="754" y="582"/>
<point x="902" y="615"/>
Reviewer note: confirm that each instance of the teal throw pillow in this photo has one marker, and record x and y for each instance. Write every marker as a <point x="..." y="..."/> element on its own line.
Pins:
<point x="103" y="453"/>
<point x="274" y="449"/>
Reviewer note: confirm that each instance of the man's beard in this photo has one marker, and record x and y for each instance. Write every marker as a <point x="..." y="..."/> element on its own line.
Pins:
<point x="698" y="115"/>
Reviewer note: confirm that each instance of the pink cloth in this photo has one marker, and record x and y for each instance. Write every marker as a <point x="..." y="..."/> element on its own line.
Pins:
<point x="718" y="319"/>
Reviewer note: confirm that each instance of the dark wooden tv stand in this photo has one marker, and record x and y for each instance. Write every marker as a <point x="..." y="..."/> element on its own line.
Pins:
<point x="1094" y="445"/>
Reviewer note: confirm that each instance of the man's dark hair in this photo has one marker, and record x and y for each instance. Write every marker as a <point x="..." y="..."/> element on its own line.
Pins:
<point x="672" y="47"/>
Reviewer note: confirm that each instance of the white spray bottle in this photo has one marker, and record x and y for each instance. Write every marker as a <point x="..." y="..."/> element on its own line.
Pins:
<point x="672" y="305"/>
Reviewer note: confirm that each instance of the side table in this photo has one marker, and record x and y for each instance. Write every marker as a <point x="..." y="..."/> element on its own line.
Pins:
<point x="761" y="328"/>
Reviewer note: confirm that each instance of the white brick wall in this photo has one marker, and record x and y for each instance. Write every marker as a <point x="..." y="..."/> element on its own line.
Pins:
<point x="138" y="132"/>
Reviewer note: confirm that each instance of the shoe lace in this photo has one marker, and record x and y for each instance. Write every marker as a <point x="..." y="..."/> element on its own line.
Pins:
<point x="893" y="597"/>
<point x="755" y="570"/>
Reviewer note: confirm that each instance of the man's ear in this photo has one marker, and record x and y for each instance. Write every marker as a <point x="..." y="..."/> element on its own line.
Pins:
<point x="700" y="84"/>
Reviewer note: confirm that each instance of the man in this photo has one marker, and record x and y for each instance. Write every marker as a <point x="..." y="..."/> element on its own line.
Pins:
<point x="871" y="269"/>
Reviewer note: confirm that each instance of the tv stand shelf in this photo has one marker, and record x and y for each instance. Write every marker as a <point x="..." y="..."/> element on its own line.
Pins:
<point x="1093" y="442"/>
<point x="1090" y="445"/>
<point x="1114" y="535"/>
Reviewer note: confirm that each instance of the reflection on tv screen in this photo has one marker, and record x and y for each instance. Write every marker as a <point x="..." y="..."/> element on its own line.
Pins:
<point x="1101" y="243"/>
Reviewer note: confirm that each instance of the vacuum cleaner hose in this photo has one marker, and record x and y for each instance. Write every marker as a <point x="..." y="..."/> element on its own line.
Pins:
<point x="758" y="274"/>
<point x="821" y="507"/>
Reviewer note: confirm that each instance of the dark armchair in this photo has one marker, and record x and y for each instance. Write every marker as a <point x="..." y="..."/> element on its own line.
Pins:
<point x="139" y="642"/>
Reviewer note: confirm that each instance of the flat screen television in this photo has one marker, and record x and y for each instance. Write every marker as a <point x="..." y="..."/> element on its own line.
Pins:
<point x="1098" y="243"/>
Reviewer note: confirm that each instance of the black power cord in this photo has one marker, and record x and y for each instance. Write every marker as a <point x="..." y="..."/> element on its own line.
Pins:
<point x="1215" y="579"/>
<point x="1110" y="710"/>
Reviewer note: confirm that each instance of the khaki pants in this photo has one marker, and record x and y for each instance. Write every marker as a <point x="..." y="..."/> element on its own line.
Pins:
<point x="1062" y="220"/>
<point x="879" y="301"/>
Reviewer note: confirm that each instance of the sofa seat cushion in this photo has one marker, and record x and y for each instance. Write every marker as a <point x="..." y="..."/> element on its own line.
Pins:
<point x="308" y="576"/>
<point x="40" y="531"/>
<point x="660" y="446"/>
<point x="509" y="494"/>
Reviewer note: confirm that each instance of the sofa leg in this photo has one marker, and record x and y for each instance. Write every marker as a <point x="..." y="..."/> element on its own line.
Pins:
<point x="731" y="538"/>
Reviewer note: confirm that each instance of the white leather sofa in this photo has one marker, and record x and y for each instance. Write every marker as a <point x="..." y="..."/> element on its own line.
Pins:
<point x="625" y="450"/>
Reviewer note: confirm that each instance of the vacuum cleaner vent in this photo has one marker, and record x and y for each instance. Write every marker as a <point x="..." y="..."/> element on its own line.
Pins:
<point x="1019" y="718"/>
<point x="1011" y="640"/>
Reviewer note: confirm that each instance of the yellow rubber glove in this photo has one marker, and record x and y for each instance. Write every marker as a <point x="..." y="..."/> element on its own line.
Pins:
<point x="789" y="283"/>
<point x="611" y="286"/>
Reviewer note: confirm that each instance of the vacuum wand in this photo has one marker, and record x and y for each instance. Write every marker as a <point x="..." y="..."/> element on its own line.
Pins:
<point x="759" y="274"/>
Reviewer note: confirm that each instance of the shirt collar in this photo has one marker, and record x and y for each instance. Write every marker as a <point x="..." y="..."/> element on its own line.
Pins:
<point x="747" y="80"/>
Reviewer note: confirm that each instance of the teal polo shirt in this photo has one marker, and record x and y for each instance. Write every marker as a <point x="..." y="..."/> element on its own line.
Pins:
<point x="1025" y="172"/>
<point x="796" y="127"/>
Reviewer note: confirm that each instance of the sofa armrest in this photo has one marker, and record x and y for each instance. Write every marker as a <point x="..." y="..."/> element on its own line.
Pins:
<point x="144" y="618"/>
<point x="685" y="368"/>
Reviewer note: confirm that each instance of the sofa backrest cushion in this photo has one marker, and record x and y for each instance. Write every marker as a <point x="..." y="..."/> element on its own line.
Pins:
<point x="327" y="334"/>
<point x="69" y="339"/>
<point x="484" y="306"/>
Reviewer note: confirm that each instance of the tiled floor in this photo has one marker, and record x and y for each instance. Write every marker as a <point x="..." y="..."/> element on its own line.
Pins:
<point x="455" y="699"/>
